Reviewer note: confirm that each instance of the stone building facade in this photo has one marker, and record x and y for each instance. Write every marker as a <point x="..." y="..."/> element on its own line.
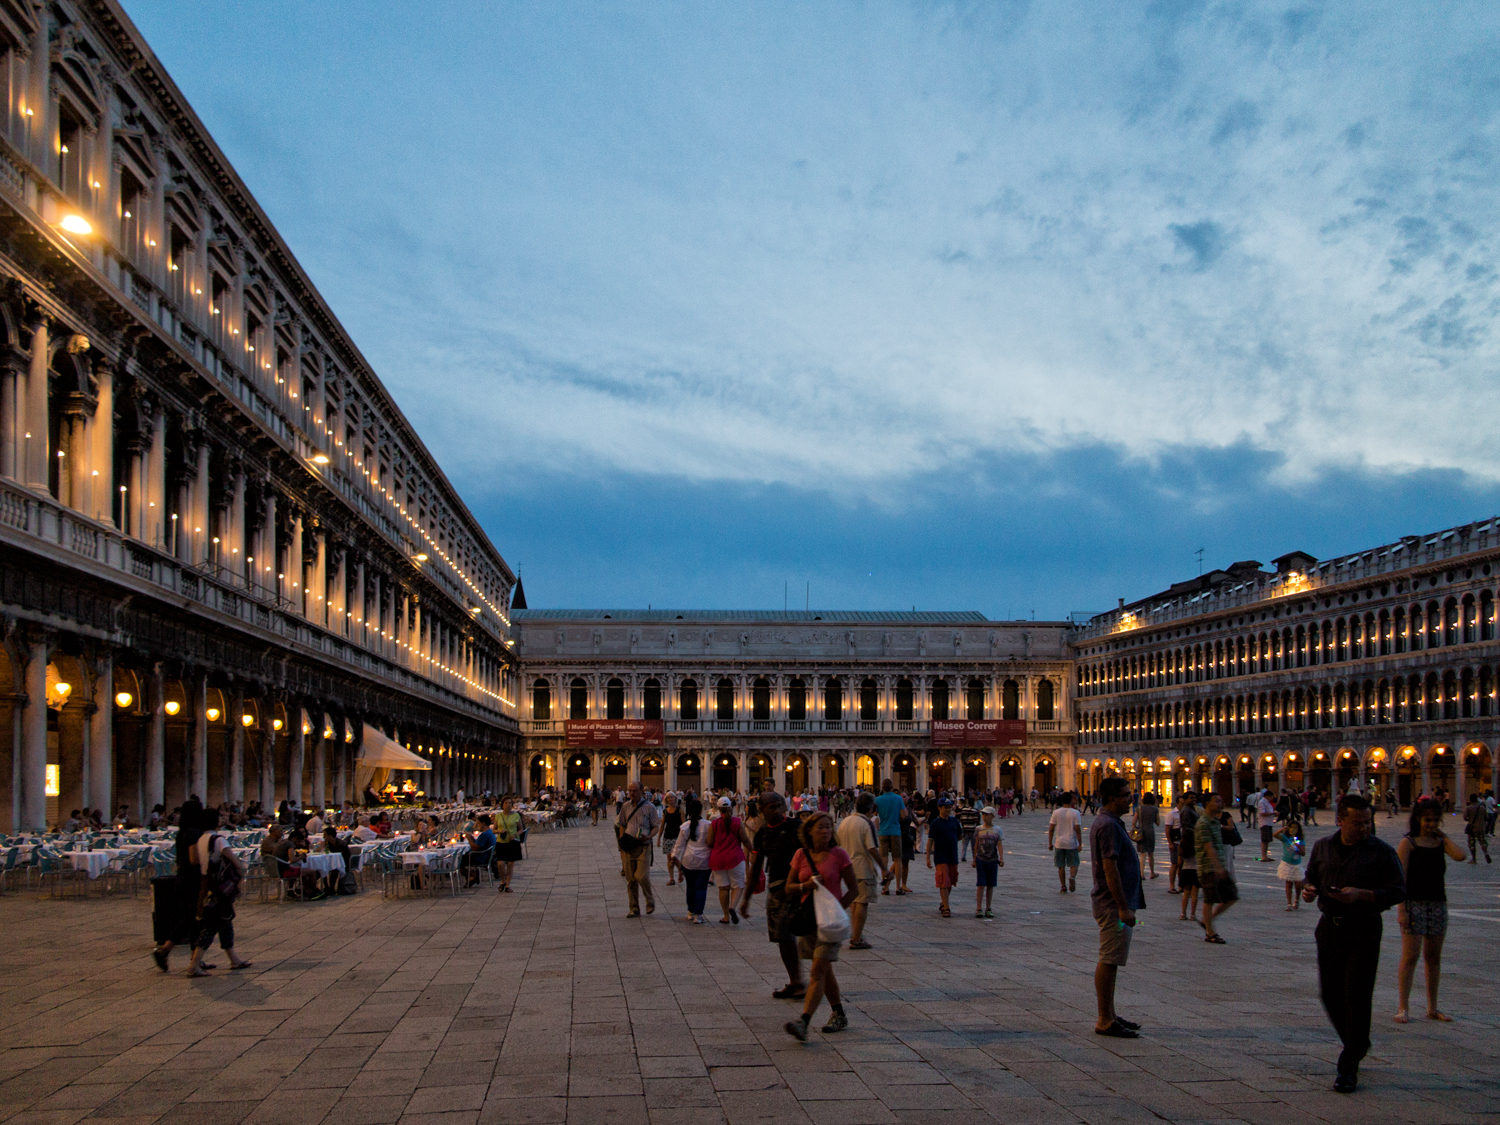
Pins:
<point x="748" y="699"/>
<point x="1379" y="666"/>
<point x="223" y="549"/>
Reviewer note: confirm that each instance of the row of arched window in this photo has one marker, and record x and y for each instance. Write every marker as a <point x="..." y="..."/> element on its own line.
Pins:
<point x="801" y="698"/>
<point x="1354" y="637"/>
<point x="1455" y="694"/>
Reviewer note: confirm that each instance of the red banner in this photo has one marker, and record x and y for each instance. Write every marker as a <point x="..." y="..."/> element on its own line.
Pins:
<point x="608" y="733"/>
<point x="963" y="734"/>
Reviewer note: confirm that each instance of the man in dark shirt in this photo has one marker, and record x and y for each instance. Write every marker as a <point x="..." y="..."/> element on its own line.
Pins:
<point x="481" y="849"/>
<point x="775" y="843"/>
<point x="1353" y="876"/>
<point x="1115" y="898"/>
<point x="942" y="847"/>
<point x="968" y="823"/>
<point x="334" y="846"/>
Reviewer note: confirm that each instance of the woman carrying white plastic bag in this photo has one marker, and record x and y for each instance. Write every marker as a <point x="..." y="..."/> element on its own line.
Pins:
<point x="821" y="921"/>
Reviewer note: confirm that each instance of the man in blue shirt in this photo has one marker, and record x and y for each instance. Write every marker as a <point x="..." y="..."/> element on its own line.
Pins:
<point x="1116" y="897"/>
<point x="942" y="846"/>
<point x="481" y="849"/>
<point x="888" y="807"/>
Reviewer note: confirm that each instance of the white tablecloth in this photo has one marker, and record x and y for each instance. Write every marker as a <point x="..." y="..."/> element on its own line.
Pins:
<point x="324" y="862"/>
<point x="95" y="863"/>
<point x="423" y="857"/>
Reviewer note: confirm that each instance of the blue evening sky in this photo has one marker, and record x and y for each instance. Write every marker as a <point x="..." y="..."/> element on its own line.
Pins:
<point x="978" y="305"/>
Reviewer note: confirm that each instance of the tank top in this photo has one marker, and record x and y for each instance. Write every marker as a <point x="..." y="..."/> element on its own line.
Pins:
<point x="1424" y="875"/>
<point x="726" y="852"/>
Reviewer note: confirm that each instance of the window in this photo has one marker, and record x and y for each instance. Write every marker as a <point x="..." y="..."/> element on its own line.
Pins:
<point x="70" y="172"/>
<point x="541" y="701"/>
<point x="1486" y="616"/>
<point x="132" y="197"/>
<point x="869" y="701"/>
<point x="796" y="701"/>
<point x="578" y="701"/>
<point x="903" y="700"/>
<point x="1044" y="705"/>
<point x="652" y="700"/>
<point x="688" y="708"/>
<point x="218" y="306"/>
<point x="833" y="701"/>
<point x="974" y="702"/>
<point x="614" y="699"/>
<point x="725" y="703"/>
<point x="939" y="699"/>
<point x="179" y="266"/>
<point x="1010" y="700"/>
<point x="760" y="700"/>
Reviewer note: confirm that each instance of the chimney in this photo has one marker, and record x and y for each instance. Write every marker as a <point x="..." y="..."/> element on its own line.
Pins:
<point x="1122" y="603"/>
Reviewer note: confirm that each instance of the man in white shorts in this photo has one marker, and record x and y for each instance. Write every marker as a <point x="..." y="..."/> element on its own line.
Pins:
<point x="1064" y="838"/>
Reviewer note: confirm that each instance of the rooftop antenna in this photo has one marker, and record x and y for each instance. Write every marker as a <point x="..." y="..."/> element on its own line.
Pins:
<point x="808" y="606"/>
<point x="785" y="593"/>
<point x="1199" y="553"/>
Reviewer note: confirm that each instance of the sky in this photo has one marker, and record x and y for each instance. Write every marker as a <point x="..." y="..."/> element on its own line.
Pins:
<point x="985" y="305"/>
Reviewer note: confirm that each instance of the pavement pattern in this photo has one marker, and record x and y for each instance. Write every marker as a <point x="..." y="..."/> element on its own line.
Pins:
<point x="549" y="1005"/>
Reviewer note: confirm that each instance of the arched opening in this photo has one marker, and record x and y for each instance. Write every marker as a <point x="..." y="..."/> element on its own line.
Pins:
<point x="724" y="773"/>
<point x="833" y="771"/>
<point x="1408" y="775"/>
<point x="616" y="772"/>
<point x="1044" y="704"/>
<point x="1476" y="759"/>
<point x="614" y="699"/>
<point x="940" y="772"/>
<point x="689" y="772"/>
<point x="1010" y="700"/>
<point x="869" y="701"/>
<point x="580" y="771"/>
<point x="1010" y="773"/>
<point x="541" y="773"/>
<point x="796" y="704"/>
<point x="1379" y="776"/>
<point x="1292" y="774"/>
<point x="1223" y="783"/>
<point x="760" y="703"/>
<point x="940" y="700"/>
<point x="1244" y="776"/>
<point x="724" y="703"/>
<point x="904" y="701"/>
<point x="1442" y="768"/>
<point x="796" y="773"/>
<point x="762" y="773"/>
<point x="1346" y="768"/>
<point x="687" y="708"/>
<point x="654" y="771"/>
<point x="866" y="772"/>
<point x="651" y="700"/>
<point x="541" y="701"/>
<point x="1044" y="774"/>
<point x="974" y="700"/>
<point x="578" y="700"/>
<point x="904" y="772"/>
<point x="1321" y="777"/>
<point x="833" y="701"/>
<point x="976" y="773"/>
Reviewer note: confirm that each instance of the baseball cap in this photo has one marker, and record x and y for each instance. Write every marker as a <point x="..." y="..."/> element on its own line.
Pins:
<point x="725" y="803"/>
<point x="944" y="801"/>
<point x="988" y="810"/>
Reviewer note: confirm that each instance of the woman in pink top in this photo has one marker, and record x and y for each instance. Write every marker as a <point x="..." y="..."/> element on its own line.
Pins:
<point x="728" y="842"/>
<point x="818" y="857"/>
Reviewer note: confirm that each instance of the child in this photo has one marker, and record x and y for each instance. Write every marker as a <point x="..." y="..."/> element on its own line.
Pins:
<point x="989" y="857"/>
<point x="1292" y="869"/>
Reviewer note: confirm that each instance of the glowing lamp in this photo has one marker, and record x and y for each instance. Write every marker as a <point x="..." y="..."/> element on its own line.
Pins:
<point x="76" y="224"/>
<point x="173" y="707"/>
<point x="320" y="459"/>
<point x="124" y="699"/>
<point x="213" y="714"/>
<point x="248" y="720"/>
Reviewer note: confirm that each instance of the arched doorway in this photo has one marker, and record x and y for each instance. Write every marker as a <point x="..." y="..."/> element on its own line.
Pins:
<point x="1245" y="777"/>
<point x="541" y="773"/>
<point x="689" y="772"/>
<point x="1408" y="775"/>
<point x="1223" y="783"/>
<point x="1010" y="772"/>
<point x="724" y="774"/>
<point x="1292" y="773"/>
<point x="833" y="771"/>
<point x="614" y="699"/>
<point x="796" y="773"/>
<point x="866" y="772"/>
<point x="939" y="772"/>
<point x="580" y="771"/>
<point x="1346" y="768"/>
<point x="616" y="772"/>
<point x="904" y="773"/>
<point x="976" y="773"/>
<point x="1044" y="775"/>
<point x="1441" y="771"/>
<point x="578" y="699"/>
<point x="762" y="773"/>
<point x="654" y="771"/>
<point x="1476" y="757"/>
<point x="1321" y="777"/>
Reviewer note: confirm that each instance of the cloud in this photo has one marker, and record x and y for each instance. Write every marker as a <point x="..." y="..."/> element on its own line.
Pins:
<point x="1203" y="240"/>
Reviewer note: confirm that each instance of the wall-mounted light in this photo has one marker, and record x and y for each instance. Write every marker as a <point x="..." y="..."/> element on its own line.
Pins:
<point x="172" y="707"/>
<point x="275" y="724"/>
<point x="248" y="720"/>
<point x="75" y="224"/>
<point x="124" y="699"/>
<point x="213" y="714"/>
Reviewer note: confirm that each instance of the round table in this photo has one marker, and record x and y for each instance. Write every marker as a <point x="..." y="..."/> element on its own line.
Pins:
<point x="323" y="862"/>
<point x="95" y="863"/>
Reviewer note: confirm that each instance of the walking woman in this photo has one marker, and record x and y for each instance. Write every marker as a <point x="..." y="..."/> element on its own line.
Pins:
<point x="219" y="875"/>
<point x="1424" y="853"/>
<point x="819" y="859"/>
<point x="1143" y="828"/>
<point x="692" y="854"/>
<point x="188" y="830"/>
<point x="671" y="825"/>
<point x="1292" y="870"/>
<point x="507" y="843"/>
<point x="729" y="843"/>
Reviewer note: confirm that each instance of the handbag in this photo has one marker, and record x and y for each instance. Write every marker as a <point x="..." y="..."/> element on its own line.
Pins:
<point x="1232" y="837"/>
<point x="832" y="920"/>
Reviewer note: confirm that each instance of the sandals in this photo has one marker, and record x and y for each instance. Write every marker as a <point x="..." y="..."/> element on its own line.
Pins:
<point x="1402" y="1017"/>
<point x="1215" y="939"/>
<point x="160" y="958"/>
<point x="790" y="992"/>
<point x="945" y="912"/>
<point x="241" y="965"/>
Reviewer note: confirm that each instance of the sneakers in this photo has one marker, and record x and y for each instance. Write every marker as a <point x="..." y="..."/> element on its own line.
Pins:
<point x="836" y="1022"/>
<point x="989" y="913"/>
<point x="790" y="992"/>
<point x="797" y="1029"/>
<point x="859" y="943"/>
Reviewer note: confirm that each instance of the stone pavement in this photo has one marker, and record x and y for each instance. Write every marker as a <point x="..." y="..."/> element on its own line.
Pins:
<point x="548" y="1005"/>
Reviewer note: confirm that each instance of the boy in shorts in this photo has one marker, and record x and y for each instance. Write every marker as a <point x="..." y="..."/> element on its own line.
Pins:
<point x="989" y="858"/>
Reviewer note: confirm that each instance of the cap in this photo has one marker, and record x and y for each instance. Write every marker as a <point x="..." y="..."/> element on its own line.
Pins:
<point x="988" y="810"/>
<point x="944" y="801"/>
<point x="725" y="803"/>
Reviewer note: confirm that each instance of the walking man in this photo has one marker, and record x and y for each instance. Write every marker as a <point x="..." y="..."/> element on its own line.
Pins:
<point x="942" y="846"/>
<point x="1064" y="838"/>
<point x="889" y="806"/>
<point x="856" y="835"/>
<point x="1219" y="891"/>
<point x="1354" y="876"/>
<point x="775" y="843"/>
<point x="635" y="824"/>
<point x="1267" y="824"/>
<point x="1116" y="897"/>
<point x="968" y="824"/>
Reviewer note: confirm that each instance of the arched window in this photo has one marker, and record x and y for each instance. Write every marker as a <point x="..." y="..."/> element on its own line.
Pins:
<point x="541" y="701"/>
<point x="760" y="700"/>
<point x="1010" y="700"/>
<point x="1434" y="625"/>
<point x="1044" y="699"/>
<point x="833" y="701"/>
<point x="1433" y="696"/>
<point x="1467" y="708"/>
<point x="1450" y="696"/>
<point x="796" y="701"/>
<point x="1450" y="622"/>
<point x="688" y="707"/>
<point x="869" y="701"/>
<point x="904" y="707"/>
<point x="651" y="701"/>
<point x="1486" y="616"/>
<point x="724" y="709"/>
<point x="1486" y="691"/>
<point x="939" y="699"/>
<point x="614" y="699"/>
<point x="975" y="701"/>
<point x="578" y="700"/>
<point x="1471" y="620"/>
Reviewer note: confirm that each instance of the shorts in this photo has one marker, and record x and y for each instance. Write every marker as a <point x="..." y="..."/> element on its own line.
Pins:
<point x="1187" y="877"/>
<point x="776" y="913"/>
<point x="1114" y="939"/>
<point x="1265" y="833"/>
<point x="809" y="948"/>
<point x="890" y="848"/>
<point x="946" y="874"/>
<point x="731" y="876"/>
<point x="1065" y="857"/>
<point x="1426" y="919"/>
<point x="1220" y="891"/>
<point x="1291" y="872"/>
<point x="987" y="873"/>
<point x="866" y="892"/>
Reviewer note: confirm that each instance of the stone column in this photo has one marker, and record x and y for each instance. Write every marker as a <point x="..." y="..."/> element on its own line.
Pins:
<point x="317" y="604"/>
<point x="234" y="781"/>
<point x="102" y="439"/>
<point x="155" y="506"/>
<point x="360" y="631"/>
<point x="339" y="616"/>
<point x="266" y="791"/>
<point x="297" y="758"/>
<point x="156" y="744"/>
<point x="320" y="758"/>
<point x="237" y="545"/>
<point x="295" y="583"/>
<point x="31" y="754"/>
<point x="197" y="779"/>
<point x="36" y="428"/>
<point x="635" y="766"/>
<point x="742" y="771"/>
<point x="267" y="558"/>
<point x="341" y="773"/>
<point x="12" y="409"/>
<point x="100" y="774"/>
<point x="202" y="527"/>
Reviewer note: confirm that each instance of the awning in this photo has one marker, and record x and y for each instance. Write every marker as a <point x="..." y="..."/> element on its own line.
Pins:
<point x="378" y="750"/>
